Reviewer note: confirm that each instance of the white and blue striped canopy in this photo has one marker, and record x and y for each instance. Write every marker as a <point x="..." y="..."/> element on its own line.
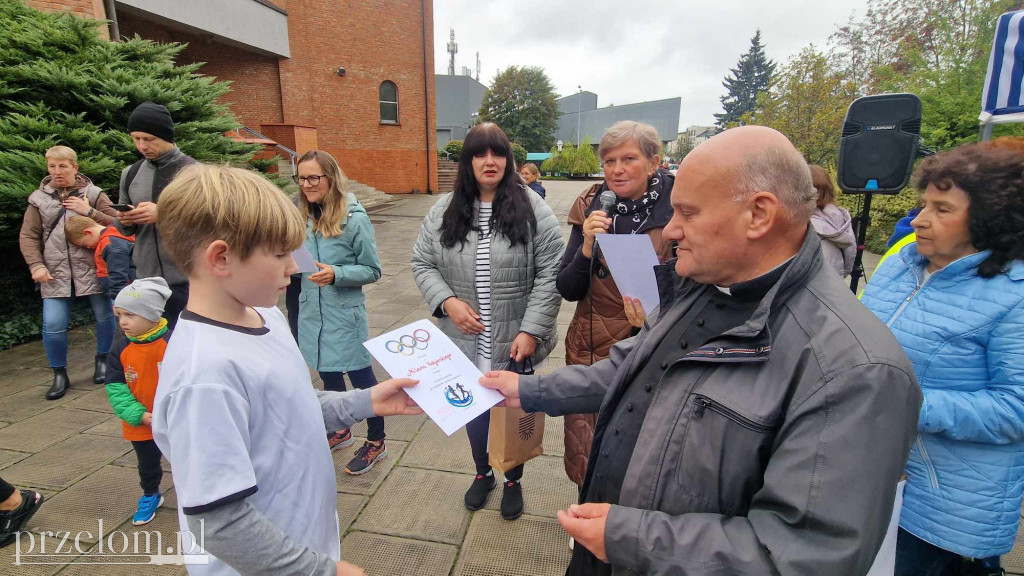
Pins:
<point x="1003" y="97"/>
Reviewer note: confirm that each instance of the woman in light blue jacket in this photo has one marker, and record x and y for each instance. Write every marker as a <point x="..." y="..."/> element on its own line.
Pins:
<point x="955" y="301"/>
<point x="332" y="307"/>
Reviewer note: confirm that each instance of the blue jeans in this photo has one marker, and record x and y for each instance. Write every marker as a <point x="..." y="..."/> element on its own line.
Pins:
<point x="915" y="557"/>
<point x="57" y="317"/>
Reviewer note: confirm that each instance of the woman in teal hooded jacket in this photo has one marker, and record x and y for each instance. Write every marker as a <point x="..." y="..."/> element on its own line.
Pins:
<point x="332" y="307"/>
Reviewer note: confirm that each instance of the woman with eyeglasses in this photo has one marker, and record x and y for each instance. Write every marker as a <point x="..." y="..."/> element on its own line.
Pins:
<point x="485" y="261"/>
<point x="332" y="309"/>
<point x="629" y="154"/>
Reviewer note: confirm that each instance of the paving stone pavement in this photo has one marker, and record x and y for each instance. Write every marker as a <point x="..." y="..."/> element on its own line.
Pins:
<point x="404" y="517"/>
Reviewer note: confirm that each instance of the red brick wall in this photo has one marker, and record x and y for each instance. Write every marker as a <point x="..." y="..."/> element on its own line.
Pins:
<point x="298" y="138"/>
<point x="306" y="139"/>
<point x="373" y="44"/>
<point x="87" y="8"/>
<point x="373" y="41"/>
<point x="255" y="96"/>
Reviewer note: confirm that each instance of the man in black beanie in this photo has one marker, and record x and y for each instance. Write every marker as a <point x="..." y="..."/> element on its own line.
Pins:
<point x="152" y="131"/>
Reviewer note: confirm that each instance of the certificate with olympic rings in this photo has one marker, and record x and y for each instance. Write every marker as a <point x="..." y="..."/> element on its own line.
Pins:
<point x="449" y="390"/>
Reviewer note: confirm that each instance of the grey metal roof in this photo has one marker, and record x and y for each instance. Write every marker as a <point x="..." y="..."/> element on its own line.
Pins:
<point x="663" y="115"/>
<point x="588" y="101"/>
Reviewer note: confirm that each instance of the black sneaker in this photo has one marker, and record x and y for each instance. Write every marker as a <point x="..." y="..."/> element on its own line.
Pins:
<point x="476" y="496"/>
<point x="13" y="521"/>
<point x="512" y="501"/>
<point x="367" y="455"/>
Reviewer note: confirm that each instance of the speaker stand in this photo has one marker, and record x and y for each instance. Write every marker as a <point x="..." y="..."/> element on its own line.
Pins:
<point x="863" y="221"/>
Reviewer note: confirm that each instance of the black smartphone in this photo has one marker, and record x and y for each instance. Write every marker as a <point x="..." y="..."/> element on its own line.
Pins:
<point x="122" y="207"/>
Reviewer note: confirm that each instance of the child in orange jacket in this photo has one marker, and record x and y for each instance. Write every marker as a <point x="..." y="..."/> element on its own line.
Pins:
<point x="133" y="367"/>
<point x="113" y="251"/>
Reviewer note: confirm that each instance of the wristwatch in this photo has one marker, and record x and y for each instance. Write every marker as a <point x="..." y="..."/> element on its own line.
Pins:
<point x="90" y="212"/>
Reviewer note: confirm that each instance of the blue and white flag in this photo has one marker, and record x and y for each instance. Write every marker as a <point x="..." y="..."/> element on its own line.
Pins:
<point x="1004" y="82"/>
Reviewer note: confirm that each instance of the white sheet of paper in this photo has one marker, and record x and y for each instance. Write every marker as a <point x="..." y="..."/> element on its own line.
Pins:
<point x="631" y="260"/>
<point x="885" y="560"/>
<point x="449" y="390"/>
<point x="305" y="261"/>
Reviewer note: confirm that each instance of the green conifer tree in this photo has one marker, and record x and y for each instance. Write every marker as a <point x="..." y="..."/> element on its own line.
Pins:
<point x="587" y="160"/>
<point x="62" y="83"/>
<point x="751" y="76"/>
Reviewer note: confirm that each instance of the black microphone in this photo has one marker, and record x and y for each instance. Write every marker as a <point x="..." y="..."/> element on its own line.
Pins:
<point x="607" y="199"/>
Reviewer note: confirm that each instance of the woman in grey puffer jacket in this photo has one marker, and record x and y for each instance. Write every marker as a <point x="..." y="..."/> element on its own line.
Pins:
<point x="486" y="261"/>
<point x="833" y="225"/>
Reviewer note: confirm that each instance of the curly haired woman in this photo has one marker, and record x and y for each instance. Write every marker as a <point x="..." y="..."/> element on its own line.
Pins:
<point x="955" y="300"/>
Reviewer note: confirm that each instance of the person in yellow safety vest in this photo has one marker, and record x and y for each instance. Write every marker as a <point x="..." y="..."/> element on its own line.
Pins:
<point x="912" y="237"/>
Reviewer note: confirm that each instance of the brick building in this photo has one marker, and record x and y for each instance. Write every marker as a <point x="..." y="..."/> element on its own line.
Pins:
<point x="355" y="78"/>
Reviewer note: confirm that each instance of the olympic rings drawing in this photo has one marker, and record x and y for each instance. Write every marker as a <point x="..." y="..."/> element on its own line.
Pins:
<point x="407" y="345"/>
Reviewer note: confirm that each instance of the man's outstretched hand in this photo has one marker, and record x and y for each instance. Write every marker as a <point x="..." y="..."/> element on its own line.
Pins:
<point x="506" y="383"/>
<point x="389" y="398"/>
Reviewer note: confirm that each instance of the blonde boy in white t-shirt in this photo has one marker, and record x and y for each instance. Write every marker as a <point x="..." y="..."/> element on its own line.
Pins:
<point x="235" y="412"/>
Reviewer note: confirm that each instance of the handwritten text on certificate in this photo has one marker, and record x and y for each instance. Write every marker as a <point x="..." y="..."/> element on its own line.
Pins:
<point x="449" y="390"/>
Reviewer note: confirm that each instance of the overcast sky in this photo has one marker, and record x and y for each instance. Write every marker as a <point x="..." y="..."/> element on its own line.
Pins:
<point x="632" y="50"/>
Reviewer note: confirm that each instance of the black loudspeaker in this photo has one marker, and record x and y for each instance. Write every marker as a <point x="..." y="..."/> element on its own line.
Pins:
<point x="879" y="143"/>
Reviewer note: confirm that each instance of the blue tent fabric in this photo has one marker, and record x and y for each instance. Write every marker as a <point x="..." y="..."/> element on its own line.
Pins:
<point x="1005" y="78"/>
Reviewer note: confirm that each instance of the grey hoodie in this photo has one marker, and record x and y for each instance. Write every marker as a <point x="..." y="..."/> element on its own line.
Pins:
<point x="838" y="242"/>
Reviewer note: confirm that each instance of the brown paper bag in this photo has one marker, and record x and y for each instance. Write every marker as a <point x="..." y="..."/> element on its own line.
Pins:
<point x="515" y="437"/>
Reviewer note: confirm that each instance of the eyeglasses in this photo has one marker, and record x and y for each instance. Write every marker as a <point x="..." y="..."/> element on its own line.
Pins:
<point x="311" y="180"/>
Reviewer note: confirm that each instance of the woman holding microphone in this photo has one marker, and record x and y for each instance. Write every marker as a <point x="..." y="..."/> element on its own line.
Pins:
<point x="641" y="205"/>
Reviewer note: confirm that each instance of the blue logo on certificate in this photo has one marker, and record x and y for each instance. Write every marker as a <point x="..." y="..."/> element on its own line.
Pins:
<point x="458" y="396"/>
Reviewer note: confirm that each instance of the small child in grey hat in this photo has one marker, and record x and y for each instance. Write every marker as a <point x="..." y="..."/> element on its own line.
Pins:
<point x="133" y="367"/>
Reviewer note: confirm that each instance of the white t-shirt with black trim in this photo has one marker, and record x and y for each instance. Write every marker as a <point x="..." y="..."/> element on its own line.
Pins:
<point x="236" y="415"/>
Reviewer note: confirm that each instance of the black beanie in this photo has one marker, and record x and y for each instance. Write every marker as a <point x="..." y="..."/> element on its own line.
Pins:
<point x="152" y="119"/>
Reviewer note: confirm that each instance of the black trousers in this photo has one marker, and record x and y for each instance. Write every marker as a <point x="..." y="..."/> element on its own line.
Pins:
<point x="291" y="303"/>
<point x="477" y="431"/>
<point x="176" y="303"/>
<point x="6" y="490"/>
<point x="916" y="557"/>
<point x="361" y="379"/>
<point x="150" y="472"/>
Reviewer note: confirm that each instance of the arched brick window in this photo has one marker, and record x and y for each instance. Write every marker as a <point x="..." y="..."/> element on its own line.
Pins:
<point x="388" y="102"/>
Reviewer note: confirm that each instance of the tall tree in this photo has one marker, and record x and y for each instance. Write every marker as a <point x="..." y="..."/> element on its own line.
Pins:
<point x="521" y="100"/>
<point x="751" y="76"/>
<point x="937" y="49"/>
<point x="681" y="147"/>
<point x="807" y="102"/>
